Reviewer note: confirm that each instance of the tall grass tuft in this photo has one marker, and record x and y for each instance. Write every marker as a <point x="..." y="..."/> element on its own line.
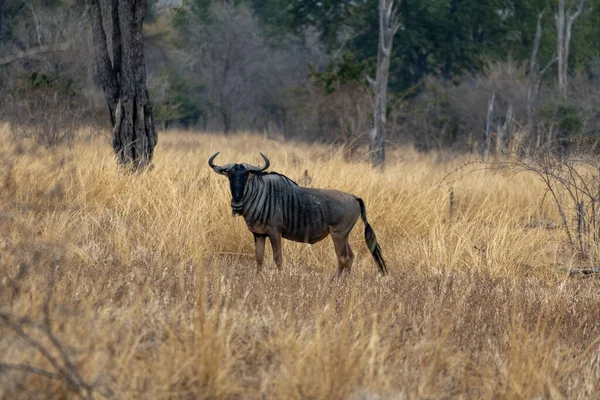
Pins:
<point x="154" y="291"/>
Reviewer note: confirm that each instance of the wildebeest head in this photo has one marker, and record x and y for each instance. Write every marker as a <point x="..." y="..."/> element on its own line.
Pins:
<point x="238" y="176"/>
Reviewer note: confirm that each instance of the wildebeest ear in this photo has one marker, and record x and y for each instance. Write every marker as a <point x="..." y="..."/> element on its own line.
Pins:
<point x="219" y="169"/>
<point x="222" y="171"/>
<point x="254" y="169"/>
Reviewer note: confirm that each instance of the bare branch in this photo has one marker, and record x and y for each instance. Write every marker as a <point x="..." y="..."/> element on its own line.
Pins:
<point x="545" y="69"/>
<point x="564" y="25"/>
<point x="577" y="13"/>
<point x="536" y="43"/>
<point x="394" y="20"/>
<point x="68" y="372"/>
<point x="371" y="81"/>
<point x="533" y="87"/>
<point x="395" y="26"/>
<point x="386" y="50"/>
<point x="16" y="327"/>
<point x="83" y="19"/>
<point x="388" y="11"/>
<point x="29" y="369"/>
<point x="37" y="23"/>
<point x="35" y="53"/>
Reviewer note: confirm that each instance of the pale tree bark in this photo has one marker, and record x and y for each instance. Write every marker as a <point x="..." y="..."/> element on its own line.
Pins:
<point x="389" y="23"/>
<point x="531" y="85"/>
<point x="564" y="26"/>
<point x="123" y="80"/>
<point x="534" y="85"/>
<point x="34" y="53"/>
<point x="487" y="139"/>
<point x="504" y="132"/>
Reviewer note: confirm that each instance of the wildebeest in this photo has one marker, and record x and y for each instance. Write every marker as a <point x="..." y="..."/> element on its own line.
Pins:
<point x="274" y="206"/>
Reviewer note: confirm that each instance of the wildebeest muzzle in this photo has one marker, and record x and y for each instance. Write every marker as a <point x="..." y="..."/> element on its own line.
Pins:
<point x="236" y="207"/>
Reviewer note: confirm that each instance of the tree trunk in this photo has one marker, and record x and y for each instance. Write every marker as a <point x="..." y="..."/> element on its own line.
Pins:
<point x="388" y="26"/>
<point x="487" y="140"/>
<point x="2" y="19"/>
<point x="560" y="49"/>
<point x="532" y="86"/>
<point x="420" y="68"/>
<point x="564" y="26"/>
<point x="124" y="81"/>
<point x="504" y="132"/>
<point x="449" y="63"/>
<point x="226" y="117"/>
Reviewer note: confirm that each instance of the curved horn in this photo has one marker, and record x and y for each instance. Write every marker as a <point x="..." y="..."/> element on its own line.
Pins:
<point x="219" y="169"/>
<point x="252" y="168"/>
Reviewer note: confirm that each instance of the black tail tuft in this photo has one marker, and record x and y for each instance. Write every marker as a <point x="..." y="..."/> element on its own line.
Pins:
<point x="371" y="239"/>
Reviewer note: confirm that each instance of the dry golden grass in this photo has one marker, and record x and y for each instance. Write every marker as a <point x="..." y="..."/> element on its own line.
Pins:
<point x="155" y="293"/>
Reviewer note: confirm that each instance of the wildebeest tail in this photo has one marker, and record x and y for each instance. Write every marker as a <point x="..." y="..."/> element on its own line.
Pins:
<point x="371" y="239"/>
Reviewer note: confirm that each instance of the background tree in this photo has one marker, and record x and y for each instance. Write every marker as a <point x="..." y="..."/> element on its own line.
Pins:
<point x="389" y="24"/>
<point x="532" y="86"/>
<point x="564" y="27"/>
<point x="445" y="38"/>
<point x="287" y="64"/>
<point x="2" y="19"/>
<point x="124" y="80"/>
<point x="244" y="71"/>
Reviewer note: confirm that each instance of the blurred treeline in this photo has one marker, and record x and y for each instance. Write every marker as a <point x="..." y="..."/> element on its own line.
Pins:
<point x="296" y="69"/>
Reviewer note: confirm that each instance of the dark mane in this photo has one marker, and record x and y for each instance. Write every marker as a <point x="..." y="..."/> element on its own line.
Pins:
<point x="280" y="175"/>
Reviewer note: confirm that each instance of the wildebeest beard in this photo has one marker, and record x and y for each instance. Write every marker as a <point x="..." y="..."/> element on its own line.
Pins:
<point x="236" y="211"/>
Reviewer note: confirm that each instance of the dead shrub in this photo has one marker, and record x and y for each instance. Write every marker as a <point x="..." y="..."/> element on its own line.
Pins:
<point x="45" y="109"/>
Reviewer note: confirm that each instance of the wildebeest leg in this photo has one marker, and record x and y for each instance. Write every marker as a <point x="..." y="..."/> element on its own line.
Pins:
<point x="259" y="250"/>
<point x="350" y="254"/>
<point x="344" y="253"/>
<point x="275" y="239"/>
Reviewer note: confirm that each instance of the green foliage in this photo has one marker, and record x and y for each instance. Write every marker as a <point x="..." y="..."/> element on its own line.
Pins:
<point x="184" y="101"/>
<point x="194" y="10"/>
<point x="17" y="12"/>
<point x="569" y="121"/>
<point x="39" y="81"/>
<point x="565" y="116"/>
<point x="275" y="16"/>
<point x="448" y="38"/>
<point x="440" y="37"/>
<point x="151" y="11"/>
<point x="585" y="45"/>
<point x="339" y="71"/>
<point x="328" y="16"/>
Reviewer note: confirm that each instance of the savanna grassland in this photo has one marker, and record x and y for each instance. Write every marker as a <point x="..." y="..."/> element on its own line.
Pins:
<point x="148" y="284"/>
